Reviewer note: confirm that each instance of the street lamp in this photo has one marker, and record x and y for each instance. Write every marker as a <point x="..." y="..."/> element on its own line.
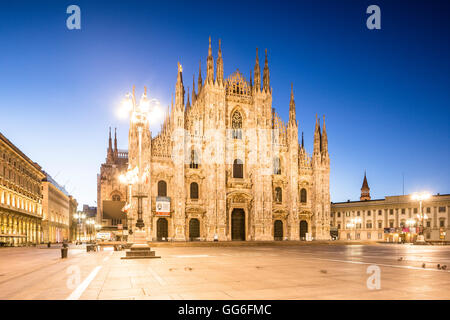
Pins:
<point x="90" y="224"/>
<point x="139" y="116"/>
<point x="410" y="223"/>
<point x="353" y="223"/>
<point x="80" y="217"/>
<point x="422" y="196"/>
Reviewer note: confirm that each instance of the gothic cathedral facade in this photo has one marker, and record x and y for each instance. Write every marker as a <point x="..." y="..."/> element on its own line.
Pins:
<point x="229" y="167"/>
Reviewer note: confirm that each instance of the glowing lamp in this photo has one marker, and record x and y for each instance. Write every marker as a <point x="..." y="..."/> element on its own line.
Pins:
<point x="420" y="196"/>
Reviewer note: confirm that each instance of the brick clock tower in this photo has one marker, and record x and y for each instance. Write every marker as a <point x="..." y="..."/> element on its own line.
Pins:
<point x="365" y="190"/>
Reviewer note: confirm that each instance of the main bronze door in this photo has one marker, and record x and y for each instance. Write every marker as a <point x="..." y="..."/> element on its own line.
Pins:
<point x="162" y="231"/>
<point x="238" y="225"/>
<point x="303" y="229"/>
<point x="194" y="229"/>
<point x="278" y="230"/>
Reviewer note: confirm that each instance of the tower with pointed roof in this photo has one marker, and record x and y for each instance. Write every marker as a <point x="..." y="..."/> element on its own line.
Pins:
<point x="108" y="187"/>
<point x="365" y="190"/>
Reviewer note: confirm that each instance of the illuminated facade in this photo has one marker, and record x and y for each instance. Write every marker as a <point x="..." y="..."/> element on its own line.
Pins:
<point x="55" y="211"/>
<point x="20" y="196"/>
<point x="227" y="166"/>
<point x="392" y="219"/>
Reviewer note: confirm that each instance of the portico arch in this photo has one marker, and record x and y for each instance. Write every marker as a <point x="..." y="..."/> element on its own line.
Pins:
<point x="240" y="201"/>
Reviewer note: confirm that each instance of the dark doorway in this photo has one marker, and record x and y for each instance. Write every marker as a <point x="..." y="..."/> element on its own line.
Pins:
<point x="238" y="225"/>
<point x="303" y="229"/>
<point x="194" y="229"/>
<point x="278" y="230"/>
<point x="162" y="231"/>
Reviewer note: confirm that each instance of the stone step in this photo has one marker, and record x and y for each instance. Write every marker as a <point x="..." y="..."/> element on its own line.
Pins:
<point x="140" y="249"/>
<point x="140" y="253"/>
<point x="141" y="257"/>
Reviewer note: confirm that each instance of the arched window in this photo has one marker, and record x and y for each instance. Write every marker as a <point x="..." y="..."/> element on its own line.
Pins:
<point x="236" y="125"/>
<point x="162" y="188"/>
<point x="194" y="190"/>
<point x="278" y="194"/>
<point x="238" y="169"/>
<point x="194" y="160"/>
<point x="276" y="166"/>
<point x="116" y="197"/>
<point x="303" y="195"/>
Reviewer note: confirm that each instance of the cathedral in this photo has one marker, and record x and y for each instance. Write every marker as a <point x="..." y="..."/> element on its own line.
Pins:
<point x="224" y="165"/>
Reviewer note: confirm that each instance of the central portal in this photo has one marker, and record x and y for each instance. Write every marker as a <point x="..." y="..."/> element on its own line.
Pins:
<point x="238" y="225"/>
<point x="162" y="230"/>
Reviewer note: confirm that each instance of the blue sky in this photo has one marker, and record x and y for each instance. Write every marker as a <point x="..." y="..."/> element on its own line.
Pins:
<point x="385" y="93"/>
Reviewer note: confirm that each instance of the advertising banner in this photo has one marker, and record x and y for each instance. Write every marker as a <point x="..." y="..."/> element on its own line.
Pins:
<point x="163" y="206"/>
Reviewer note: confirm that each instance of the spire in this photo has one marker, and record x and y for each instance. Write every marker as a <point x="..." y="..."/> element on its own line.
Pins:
<point x="209" y="48"/>
<point x="251" y="82"/>
<point x="110" y="151"/>
<point x="200" y="80"/>
<point x="303" y="142"/>
<point x="219" y="75"/>
<point x="210" y="65"/>
<point x="317" y="137"/>
<point x="110" y="141"/>
<point x="324" y="140"/>
<point x="257" y="73"/>
<point x="179" y="89"/>
<point x="292" y="117"/>
<point x="365" y="190"/>
<point x="115" y="143"/>
<point x="266" y="77"/>
<point x="365" y="185"/>
<point x="194" y="96"/>
<point x="188" y="104"/>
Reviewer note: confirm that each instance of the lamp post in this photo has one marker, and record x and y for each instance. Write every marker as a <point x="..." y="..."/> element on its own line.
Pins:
<point x="90" y="223"/>
<point x="422" y="196"/>
<point x="80" y="217"/>
<point x="410" y="223"/>
<point x="139" y="116"/>
<point x="353" y="223"/>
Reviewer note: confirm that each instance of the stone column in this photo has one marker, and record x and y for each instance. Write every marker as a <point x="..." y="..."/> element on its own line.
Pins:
<point x="35" y="233"/>
<point x="2" y="223"/>
<point x="9" y="229"/>
<point x="448" y="218"/>
<point x="15" y="225"/>
<point x="435" y="219"/>
<point x="29" y="232"/>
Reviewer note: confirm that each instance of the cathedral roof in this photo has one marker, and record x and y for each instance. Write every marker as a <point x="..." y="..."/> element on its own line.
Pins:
<point x="236" y="84"/>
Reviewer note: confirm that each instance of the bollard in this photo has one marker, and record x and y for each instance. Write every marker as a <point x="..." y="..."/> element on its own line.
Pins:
<point x="64" y="252"/>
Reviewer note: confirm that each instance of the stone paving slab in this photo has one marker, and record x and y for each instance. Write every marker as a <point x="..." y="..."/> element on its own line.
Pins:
<point x="241" y="272"/>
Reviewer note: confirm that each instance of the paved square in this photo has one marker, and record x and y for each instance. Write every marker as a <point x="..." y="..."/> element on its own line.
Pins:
<point x="312" y="271"/>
